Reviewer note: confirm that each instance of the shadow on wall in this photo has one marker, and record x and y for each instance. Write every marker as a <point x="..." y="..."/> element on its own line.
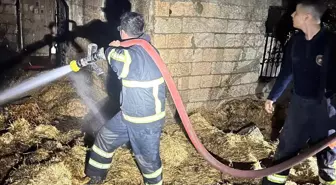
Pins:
<point x="281" y="31"/>
<point x="6" y="53"/>
<point x="96" y="31"/>
<point x="285" y="24"/>
<point x="102" y="33"/>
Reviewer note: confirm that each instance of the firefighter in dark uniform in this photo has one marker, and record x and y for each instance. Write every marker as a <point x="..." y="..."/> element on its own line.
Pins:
<point x="142" y="114"/>
<point x="309" y="61"/>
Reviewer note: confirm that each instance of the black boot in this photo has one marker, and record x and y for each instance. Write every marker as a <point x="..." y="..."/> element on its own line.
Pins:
<point x="95" y="180"/>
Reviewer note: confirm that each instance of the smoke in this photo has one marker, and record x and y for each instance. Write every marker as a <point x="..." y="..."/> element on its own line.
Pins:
<point x="86" y="94"/>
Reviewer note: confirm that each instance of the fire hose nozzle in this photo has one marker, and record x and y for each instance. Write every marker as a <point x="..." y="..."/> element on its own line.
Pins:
<point x="93" y="55"/>
<point x="74" y="66"/>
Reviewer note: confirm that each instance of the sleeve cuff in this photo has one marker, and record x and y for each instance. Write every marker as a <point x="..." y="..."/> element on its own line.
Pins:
<point x="272" y="98"/>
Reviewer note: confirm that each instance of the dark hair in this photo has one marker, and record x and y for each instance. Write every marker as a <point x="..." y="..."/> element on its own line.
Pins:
<point x="132" y="23"/>
<point x="317" y="7"/>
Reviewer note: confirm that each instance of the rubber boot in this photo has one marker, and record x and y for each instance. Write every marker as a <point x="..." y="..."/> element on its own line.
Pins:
<point x="95" y="180"/>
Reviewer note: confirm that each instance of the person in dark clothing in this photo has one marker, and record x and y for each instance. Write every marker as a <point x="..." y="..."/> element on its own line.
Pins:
<point x="310" y="63"/>
<point x="142" y="112"/>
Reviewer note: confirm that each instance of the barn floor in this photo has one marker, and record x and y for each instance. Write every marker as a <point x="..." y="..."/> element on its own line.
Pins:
<point x="41" y="143"/>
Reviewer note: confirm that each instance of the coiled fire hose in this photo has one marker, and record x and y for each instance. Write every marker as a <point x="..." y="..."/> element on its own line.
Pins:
<point x="195" y="140"/>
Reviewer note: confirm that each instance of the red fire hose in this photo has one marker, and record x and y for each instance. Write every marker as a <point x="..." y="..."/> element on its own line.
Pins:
<point x="195" y="140"/>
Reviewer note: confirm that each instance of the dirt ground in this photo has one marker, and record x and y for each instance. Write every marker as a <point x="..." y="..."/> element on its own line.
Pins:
<point x="42" y="143"/>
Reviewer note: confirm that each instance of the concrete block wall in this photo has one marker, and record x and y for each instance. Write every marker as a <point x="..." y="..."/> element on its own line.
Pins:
<point x="8" y="28"/>
<point x="212" y="48"/>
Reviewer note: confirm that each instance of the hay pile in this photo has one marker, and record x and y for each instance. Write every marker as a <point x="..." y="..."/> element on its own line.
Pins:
<point x="175" y="147"/>
<point x="23" y="132"/>
<point x="74" y="162"/>
<point x="28" y="140"/>
<point x="50" y="173"/>
<point x="182" y="165"/>
<point x="2" y="122"/>
<point x="58" y="101"/>
<point x="181" y="162"/>
<point x="232" y="147"/>
<point x="59" y="154"/>
<point x="33" y="146"/>
<point x="62" y="100"/>
<point x="236" y="114"/>
<point x="306" y="172"/>
<point x="46" y="131"/>
<point x="30" y="111"/>
<point x="56" y="173"/>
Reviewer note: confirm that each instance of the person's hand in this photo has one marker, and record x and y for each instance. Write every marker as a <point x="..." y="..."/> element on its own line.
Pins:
<point x="269" y="106"/>
<point x="115" y="43"/>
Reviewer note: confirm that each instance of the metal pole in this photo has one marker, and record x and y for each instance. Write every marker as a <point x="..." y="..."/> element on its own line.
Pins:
<point x="19" y="23"/>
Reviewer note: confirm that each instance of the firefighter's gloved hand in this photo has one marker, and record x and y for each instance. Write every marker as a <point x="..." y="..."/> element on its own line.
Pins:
<point x="99" y="55"/>
<point x="269" y="106"/>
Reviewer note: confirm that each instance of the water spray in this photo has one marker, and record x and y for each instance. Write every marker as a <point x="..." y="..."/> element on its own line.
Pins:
<point x="45" y="78"/>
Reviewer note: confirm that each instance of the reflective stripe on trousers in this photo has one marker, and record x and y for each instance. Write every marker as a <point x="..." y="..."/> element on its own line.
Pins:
<point x="105" y="158"/>
<point x="153" y="176"/>
<point x="145" y="143"/>
<point x="279" y="179"/>
<point x="99" y="165"/>
<point x="159" y="183"/>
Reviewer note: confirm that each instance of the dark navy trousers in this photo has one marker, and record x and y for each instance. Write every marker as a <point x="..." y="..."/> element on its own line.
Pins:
<point x="143" y="139"/>
<point x="308" y="122"/>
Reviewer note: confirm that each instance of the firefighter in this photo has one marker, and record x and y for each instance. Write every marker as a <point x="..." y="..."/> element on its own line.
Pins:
<point x="310" y="62"/>
<point x="140" y="121"/>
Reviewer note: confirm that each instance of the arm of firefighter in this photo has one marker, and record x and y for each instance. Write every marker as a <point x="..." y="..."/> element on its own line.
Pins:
<point x="119" y="59"/>
<point x="285" y="75"/>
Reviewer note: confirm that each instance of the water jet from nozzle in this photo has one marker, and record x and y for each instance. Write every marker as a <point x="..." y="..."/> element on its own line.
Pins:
<point x="33" y="83"/>
<point x="47" y="77"/>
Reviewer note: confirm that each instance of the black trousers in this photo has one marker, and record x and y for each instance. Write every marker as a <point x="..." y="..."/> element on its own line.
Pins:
<point x="308" y="121"/>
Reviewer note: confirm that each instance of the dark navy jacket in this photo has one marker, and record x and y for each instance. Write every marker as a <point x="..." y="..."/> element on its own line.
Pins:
<point x="143" y="87"/>
<point x="302" y="63"/>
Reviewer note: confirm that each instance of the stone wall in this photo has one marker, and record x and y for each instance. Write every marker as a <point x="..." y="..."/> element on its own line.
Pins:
<point x="212" y="48"/>
<point x="8" y="28"/>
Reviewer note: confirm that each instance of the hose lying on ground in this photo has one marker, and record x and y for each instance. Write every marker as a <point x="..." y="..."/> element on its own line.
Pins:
<point x="190" y="131"/>
<point x="197" y="143"/>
